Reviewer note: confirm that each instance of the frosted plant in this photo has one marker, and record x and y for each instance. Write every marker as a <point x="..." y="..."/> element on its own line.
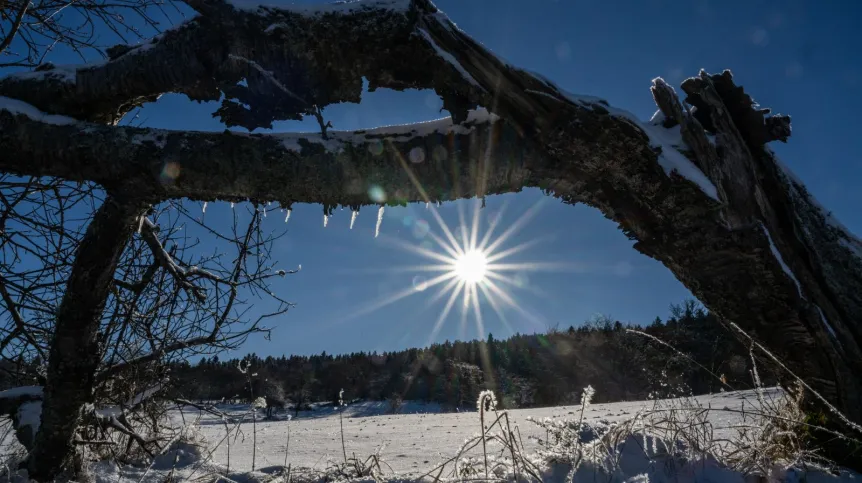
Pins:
<point x="341" y="422"/>
<point x="259" y="403"/>
<point x="487" y="401"/>
<point x="353" y="218"/>
<point x="589" y="392"/>
<point x="379" y="221"/>
<point x="758" y="385"/>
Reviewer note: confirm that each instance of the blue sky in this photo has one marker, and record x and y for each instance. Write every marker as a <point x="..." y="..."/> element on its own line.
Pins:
<point x="799" y="58"/>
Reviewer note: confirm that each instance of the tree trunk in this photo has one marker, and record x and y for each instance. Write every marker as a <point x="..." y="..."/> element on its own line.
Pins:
<point x="776" y="263"/>
<point x="74" y="356"/>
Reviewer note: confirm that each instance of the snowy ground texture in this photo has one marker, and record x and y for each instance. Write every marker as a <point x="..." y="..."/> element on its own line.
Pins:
<point x="412" y="445"/>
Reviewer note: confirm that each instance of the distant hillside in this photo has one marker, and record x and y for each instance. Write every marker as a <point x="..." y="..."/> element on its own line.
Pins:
<point x="523" y="370"/>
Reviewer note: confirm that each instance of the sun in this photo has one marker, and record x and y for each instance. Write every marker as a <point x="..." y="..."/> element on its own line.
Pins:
<point x="471" y="267"/>
<point x="467" y="266"/>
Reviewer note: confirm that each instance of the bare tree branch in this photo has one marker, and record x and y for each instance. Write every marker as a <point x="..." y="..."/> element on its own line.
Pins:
<point x="25" y="4"/>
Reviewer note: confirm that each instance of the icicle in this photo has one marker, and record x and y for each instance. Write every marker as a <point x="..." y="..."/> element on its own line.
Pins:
<point x="379" y="221"/>
<point x="325" y="220"/>
<point x="353" y="216"/>
<point x="231" y="205"/>
<point x="427" y="205"/>
<point x="264" y="211"/>
<point x="140" y="224"/>
<point x="204" y="209"/>
<point x="287" y="216"/>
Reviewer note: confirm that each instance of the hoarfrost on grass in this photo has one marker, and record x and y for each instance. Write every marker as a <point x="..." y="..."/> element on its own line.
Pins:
<point x="419" y="440"/>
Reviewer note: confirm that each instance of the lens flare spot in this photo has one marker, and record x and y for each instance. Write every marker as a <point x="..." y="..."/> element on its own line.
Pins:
<point x="439" y="153"/>
<point x="421" y="229"/>
<point x="170" y="171"/>
<point x="375" y="147"/>
<point x="420" y="283"/>
<point x="521" y="280"/>
<point x="376" y="194"/>
<point x="417" y="155"/>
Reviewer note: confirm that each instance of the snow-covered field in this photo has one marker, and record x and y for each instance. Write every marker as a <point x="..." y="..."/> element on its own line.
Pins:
<point x="409" y="443"/>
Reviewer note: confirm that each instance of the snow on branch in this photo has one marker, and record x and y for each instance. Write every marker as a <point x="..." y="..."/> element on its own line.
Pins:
<point x="420" y="162"/>
<point x="207" y="57"/>
<point x="24" y="392"/>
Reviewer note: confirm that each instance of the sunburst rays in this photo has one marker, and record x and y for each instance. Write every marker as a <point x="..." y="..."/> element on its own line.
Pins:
<point x="463" y="270"/>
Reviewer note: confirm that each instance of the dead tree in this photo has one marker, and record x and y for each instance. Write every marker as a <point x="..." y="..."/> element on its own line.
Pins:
<point x="163" y="302"/>
<point x="699" y="192"/>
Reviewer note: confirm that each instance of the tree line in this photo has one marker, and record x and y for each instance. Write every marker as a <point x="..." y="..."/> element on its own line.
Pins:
<point x="621" y="361"/>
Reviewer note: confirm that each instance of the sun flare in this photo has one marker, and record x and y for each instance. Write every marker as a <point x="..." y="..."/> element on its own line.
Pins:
<point x="471" y="266"/>
<point x="467" y="270"/>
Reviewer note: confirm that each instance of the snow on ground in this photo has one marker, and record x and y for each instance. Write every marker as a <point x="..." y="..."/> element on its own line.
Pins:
<point x="422" y="437"/>
<point x="409" y="443"/>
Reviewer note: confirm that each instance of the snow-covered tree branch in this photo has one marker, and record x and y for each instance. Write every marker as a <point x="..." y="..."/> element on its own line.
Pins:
<point x="158" y="165"/>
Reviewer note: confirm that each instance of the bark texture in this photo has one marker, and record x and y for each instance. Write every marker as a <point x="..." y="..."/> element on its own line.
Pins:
<point x="440" y="165"/>
<point x="74" y="356"/>
<point x="759" y="252"/>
